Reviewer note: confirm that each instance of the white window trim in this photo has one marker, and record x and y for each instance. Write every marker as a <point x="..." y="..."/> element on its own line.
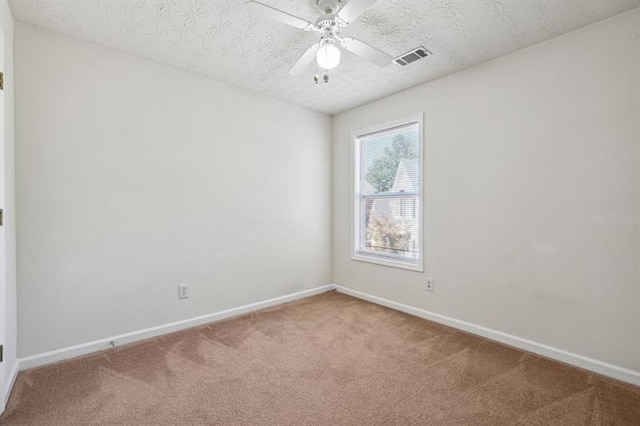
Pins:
<point x="355" y="196"/>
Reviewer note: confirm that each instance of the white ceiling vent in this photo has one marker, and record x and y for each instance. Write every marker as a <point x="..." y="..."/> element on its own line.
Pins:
<point x="412" y="56"/>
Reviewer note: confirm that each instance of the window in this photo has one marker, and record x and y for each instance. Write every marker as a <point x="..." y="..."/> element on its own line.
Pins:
<point x="388" y="194"/>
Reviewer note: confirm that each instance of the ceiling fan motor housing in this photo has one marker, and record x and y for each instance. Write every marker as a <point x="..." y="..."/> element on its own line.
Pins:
<point x="326" y="26"/>
<point x="328" y="7"/>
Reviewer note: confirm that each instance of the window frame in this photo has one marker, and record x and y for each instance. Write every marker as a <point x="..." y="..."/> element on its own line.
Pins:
<point x="356" y="209"/>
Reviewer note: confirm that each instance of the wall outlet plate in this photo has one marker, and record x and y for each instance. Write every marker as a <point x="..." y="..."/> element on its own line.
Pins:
<point x="183" y="291"/>
<point x="430" y="284"/>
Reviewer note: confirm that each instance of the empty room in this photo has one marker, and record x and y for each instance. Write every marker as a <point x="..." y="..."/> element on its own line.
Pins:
<point x="319" y="212"/>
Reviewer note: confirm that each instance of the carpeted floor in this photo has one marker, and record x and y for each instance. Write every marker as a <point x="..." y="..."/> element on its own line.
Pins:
<point x="326" y="360"/>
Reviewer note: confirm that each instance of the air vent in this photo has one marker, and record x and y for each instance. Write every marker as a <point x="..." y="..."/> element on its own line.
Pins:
<point x="412" y="56"/>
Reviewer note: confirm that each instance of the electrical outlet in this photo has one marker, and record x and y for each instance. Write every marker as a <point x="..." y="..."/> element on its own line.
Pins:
<point x="430" y="284"/>
<point x="183" y="291"/>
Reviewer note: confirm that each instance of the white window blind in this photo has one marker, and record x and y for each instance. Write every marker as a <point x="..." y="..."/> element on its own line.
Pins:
<point x="388" y="195"/>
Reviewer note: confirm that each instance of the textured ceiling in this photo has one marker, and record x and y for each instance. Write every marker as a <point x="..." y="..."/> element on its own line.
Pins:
<point x="223" y="40"/>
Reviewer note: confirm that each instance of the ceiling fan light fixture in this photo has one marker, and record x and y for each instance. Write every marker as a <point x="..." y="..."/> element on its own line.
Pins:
<point x="328" y="56"/>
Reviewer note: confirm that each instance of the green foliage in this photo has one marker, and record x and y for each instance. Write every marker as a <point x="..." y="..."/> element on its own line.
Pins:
<point x="383" y="170"/>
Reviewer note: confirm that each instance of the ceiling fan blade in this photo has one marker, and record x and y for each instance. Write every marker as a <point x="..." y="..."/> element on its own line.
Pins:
<point x="367" y="52"/>
<point x="278" y="15"/>
<point x="305" y="60"/>
<point x="353" y="9"/>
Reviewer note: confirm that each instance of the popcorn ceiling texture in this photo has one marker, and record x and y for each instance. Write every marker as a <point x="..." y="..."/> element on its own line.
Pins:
<point x="223" y="40"/>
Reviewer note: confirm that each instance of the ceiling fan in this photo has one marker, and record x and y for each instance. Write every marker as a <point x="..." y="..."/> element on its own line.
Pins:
<point x="334" y="17"/>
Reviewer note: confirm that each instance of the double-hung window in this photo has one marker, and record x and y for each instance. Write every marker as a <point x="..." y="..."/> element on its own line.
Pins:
<point x="387" y="201"/>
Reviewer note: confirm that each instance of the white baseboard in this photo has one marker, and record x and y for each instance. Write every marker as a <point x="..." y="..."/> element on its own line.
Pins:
<point x="122" y="339"/>
<point x="11" y="379"/>
<point x="69" y="352"/>
<point x="584" y="362"/>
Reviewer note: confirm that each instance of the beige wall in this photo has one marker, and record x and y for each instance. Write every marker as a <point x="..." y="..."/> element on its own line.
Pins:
<point x="532" y="194"/>
<point x="134" y="177"/>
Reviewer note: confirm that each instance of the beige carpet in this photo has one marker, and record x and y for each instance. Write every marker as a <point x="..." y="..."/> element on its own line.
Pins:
<point x="327" y="360"/>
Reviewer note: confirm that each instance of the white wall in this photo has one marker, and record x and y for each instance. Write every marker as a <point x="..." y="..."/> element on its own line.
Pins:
<point x="8" y="298"/>
<point x="133" y="177"/>
<point x="532" y="194"/>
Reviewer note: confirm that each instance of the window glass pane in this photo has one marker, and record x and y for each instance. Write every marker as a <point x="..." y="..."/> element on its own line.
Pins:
<point x="388" y="219"/>
<point x="390" y="161"/>
<point x="390" y="226"/>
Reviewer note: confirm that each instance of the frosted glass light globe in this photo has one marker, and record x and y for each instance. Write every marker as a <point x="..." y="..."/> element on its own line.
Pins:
<point x="328" y="56"/>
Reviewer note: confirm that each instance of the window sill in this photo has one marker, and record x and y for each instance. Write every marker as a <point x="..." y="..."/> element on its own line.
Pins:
<point x="380" y="260"/>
